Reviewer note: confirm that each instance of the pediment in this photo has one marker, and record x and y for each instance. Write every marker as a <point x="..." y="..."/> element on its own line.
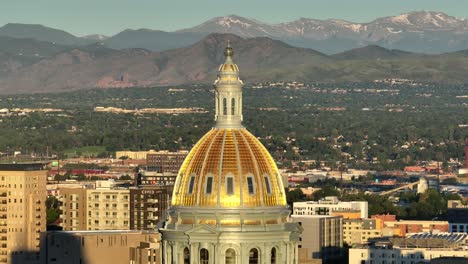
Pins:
<point x="201" y="229"/>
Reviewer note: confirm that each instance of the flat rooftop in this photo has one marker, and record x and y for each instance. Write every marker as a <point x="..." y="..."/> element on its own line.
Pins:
<point x="26" y="166"/>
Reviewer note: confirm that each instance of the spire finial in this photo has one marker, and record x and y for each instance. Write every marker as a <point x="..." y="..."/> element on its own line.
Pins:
<point x="228" y="51"/>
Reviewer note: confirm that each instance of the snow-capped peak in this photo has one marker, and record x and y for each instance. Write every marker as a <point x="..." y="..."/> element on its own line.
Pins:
<point x="229" y="21"/>
<point x="401" y="19"/>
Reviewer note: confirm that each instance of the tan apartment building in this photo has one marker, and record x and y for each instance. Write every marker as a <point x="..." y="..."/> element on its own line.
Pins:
<point x="321" y="238"/>
<point x="108" y="209"/>
<point x="95" y="209"/>
<point x="22" y="211"/>
<point x="74" y="209"/>
<point x="360" y="231"/>
<point x="113" y="208"/>
<point x="103" y="247"/>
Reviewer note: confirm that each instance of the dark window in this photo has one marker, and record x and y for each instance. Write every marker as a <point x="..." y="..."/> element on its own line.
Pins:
<point x="192" y="182"/>
<point x="204" y="256"/>
<point x="250" y="185"/>
<point x="233" y="106"/>
<point x="231" y="256"/>
<point x="253" y="256"/>
<point x="230" y="186"/>
<point x="186" y="256"/>
<point x="209" y="185"/>
<point x="273" y="256"/>
<point x="267" y="185"/>
<point x="224" y="106"/>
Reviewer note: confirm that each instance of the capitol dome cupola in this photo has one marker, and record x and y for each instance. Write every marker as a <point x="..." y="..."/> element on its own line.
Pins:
<point x="228" y="93"/>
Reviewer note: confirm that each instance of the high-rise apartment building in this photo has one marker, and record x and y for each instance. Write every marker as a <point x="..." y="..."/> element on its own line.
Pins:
<point x="113" y="208"/>
<point x="148" y="205"/>
<point x="95" y="209"/>
<point x="22" y="211"/>
<point x="74" y="209"/>
<point x="108" y="209"/>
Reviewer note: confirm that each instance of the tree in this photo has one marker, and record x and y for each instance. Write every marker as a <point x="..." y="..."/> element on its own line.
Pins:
<point x="295" y="195"/>
<point x="125" y="177"/>
<point x="52" y="209"/>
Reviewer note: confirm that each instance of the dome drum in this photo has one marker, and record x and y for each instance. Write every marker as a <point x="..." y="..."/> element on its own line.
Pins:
<point x="243" y="218"/>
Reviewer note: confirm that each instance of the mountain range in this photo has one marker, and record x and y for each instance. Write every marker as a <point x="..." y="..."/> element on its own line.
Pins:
<point x="421" y="31"/>
<point x="54" y="68"/>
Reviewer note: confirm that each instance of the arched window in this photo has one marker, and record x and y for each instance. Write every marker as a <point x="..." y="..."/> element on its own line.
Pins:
<point x="253" y="256"/>
<point x="204" y="256"/>
<point x="186" y="256"/>
<point x="231" y="257"/>
<point x="224" y="106"/>
<point x="233" y="106"/>
<point x="273" y="256"/>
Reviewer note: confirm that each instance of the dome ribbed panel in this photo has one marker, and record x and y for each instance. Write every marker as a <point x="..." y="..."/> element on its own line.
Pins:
<point x="192" y="165"/>
<point x="268" y="168"/>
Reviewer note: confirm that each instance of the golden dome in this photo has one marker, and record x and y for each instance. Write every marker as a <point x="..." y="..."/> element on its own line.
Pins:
<point x="228" y="168"/>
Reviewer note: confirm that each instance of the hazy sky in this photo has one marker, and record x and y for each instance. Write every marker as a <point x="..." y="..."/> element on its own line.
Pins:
<point x="82" y="17"/>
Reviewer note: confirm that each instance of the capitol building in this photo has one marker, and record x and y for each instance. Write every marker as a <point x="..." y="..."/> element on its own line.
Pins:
<point x="229" y="204"/>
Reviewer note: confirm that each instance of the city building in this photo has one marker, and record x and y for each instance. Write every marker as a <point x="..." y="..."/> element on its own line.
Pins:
<point x="403" y="227"/>
<point x="22" y="211"/>
<point x="347" y="214"/>
<point x="145" y="177"/>
<point x="321" y="238"/>
<point x="133" y="155"/>
<point x="416" y="248"/>
<point x="104" y="207"/>
<point x="103" y="247"/>
<point x="148" y="205"/>
<point x="229" y="204"/>
<point x="107" y="209"/>
<point x="74" y="208"/>
<point x="165" y="161"/>
<point x="360" y="231"/>
<point x="457" y="215"/>
<point x="329" y="205"/>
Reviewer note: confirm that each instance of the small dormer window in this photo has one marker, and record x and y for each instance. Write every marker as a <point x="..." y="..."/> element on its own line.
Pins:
<point x="250" y="185"/>
<point x="224" y="106"/>
<point x="233" y="106"/>
<point x="209" y="185"/>
<point x="191" y="184"/>
<point x="267" y="183"/>
<point x="229" y="185"/>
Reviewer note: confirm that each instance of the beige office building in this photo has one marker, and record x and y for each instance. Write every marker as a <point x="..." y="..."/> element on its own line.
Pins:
<point x="321" y="237"/>
<point x="359" y="231"/>
<point x="95" y="209"/>
<point x="101" y="247"/>
<point x="22" y="211"/>
<point x="112" y="208"/>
